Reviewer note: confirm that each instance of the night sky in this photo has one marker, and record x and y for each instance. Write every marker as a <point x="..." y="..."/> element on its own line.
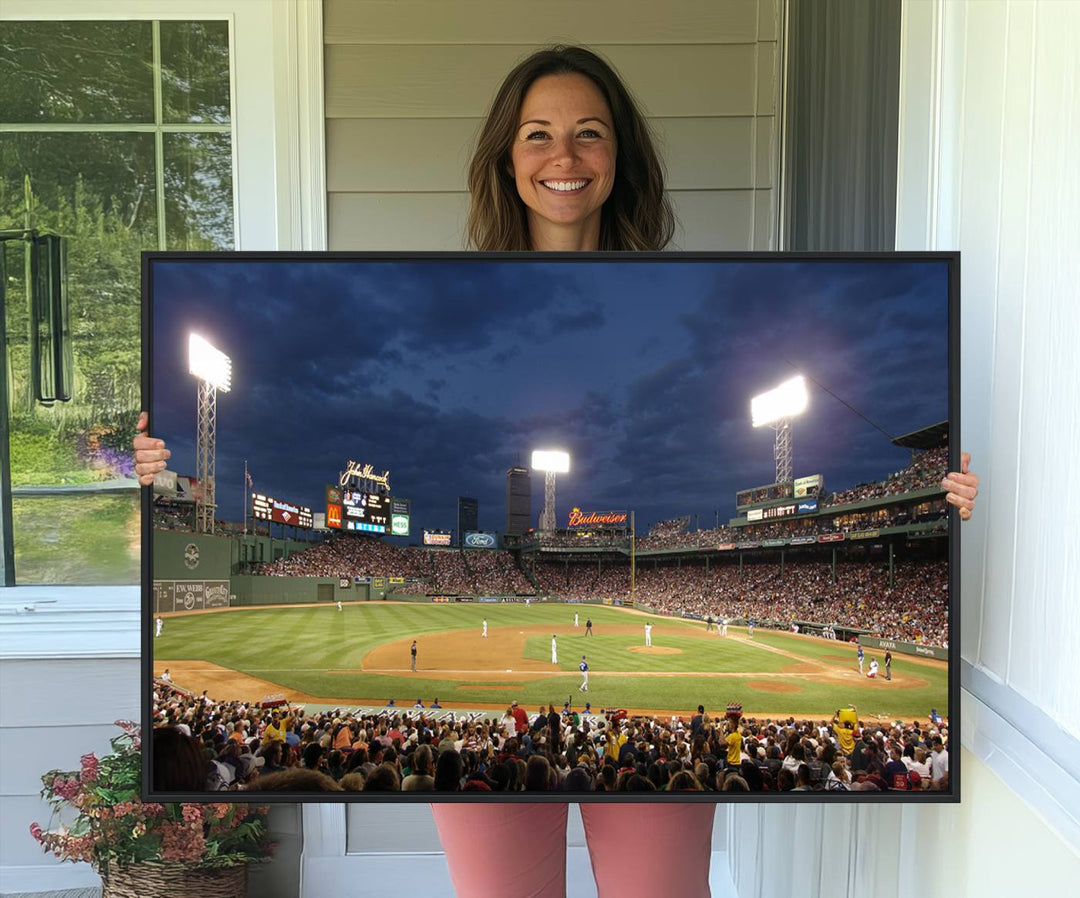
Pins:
<point x="448" y="372"/>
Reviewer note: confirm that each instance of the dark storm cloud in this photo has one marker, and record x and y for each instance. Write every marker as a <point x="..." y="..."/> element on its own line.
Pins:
<point x="447" y="372"/>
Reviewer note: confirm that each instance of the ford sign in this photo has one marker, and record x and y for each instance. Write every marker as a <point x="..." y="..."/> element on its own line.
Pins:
<point x="476" y="540"/>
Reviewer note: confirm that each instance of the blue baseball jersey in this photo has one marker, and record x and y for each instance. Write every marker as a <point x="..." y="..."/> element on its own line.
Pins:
<point x="583" y="667"/>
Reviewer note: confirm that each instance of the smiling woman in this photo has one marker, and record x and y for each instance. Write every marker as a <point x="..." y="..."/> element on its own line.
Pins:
<point x="563" y="117"/>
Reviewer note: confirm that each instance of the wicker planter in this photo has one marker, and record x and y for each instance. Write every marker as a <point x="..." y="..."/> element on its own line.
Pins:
<point x="173" y="881"/>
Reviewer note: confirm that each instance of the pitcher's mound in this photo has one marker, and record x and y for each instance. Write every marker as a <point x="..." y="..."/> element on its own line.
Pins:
<point x="655" y="650"/>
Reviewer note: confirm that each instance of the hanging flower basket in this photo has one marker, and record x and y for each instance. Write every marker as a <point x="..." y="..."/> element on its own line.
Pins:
<point x="173" y="881"/>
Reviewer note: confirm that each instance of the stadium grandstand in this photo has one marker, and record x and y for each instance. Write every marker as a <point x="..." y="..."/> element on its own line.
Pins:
<point x="246" y="747"/>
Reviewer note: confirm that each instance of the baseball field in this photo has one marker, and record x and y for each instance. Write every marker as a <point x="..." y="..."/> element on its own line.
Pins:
<point x="360" y="655"/>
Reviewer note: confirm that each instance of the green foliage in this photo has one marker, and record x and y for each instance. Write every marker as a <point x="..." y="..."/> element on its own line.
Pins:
<point x="113" y="826"/>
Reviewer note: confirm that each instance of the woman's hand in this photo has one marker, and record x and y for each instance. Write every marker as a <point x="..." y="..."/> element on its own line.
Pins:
<point x="962" y="487"/>
<point x="150" y="453"/>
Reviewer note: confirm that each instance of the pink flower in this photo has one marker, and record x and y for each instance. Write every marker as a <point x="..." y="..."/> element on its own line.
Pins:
<point x="181" y="842"/>
<point x="192" y="813"/>
<point x="65" y="788"/>
<point x="89" y="768"/>
<point x="36" y="832"/>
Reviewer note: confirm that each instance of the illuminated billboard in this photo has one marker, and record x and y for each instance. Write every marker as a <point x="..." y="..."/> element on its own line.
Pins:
<point x="368" y="512"/>
<point x="267" y="508"/>
<point x="481" y="539"/>
<point x="437" y="537"/>
<point x="400" y="514"/>
<point x="579" y="518"/>
<point x="333" y="516"/>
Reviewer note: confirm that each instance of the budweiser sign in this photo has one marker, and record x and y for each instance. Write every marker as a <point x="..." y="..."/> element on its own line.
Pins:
<point x="579" y="518"/>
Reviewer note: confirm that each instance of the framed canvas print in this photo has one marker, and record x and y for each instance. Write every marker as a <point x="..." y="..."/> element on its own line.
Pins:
<point x="590" y="527"/>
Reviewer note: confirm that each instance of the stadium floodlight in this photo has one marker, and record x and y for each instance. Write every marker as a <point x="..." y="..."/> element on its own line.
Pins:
<point x="209" y="364"/>
<point x="785" y="401"/>
<point x="213" y="370"/>
<point x="777" y="407"/>
<point x="551" y="462"/>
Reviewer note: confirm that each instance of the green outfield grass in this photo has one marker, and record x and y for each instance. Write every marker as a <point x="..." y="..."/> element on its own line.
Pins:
<point x="298" y="648"/>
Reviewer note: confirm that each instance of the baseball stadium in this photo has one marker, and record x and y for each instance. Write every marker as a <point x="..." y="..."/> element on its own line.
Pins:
<point x="766" y="617"/>
<point x="365" y="624"/>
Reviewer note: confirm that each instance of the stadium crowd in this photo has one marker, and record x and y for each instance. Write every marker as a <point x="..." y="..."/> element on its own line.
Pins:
<point x="202" y="744"/>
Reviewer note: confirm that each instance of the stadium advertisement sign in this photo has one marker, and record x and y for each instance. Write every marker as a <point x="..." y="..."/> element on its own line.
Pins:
<point x="907" y="648"/>
<point x="808" y="486"/>
<point x="395" y="581"/>
<point x="864" y="534"/>
<point x="267" y="508"/>
<point x="754" y="514"/>
<point x="831" y="538"/>
<point x="579" y="518"/>
<point x="803" y="540"/>
<point x="748" y="544"/>
<point x="399" y="525"/>
<point x="489" y="600"/>
<point x="366" y="580"/>
<point x="334" y="495"/>
<point x="190" y="595"/>
<point x="773" y="543"/>
<point x="725" y="547"/>
<point x="808" y="506"/>
<point x="333" y="516"/>
<point x="436" y="538"/>
<point x="481" y="539"/>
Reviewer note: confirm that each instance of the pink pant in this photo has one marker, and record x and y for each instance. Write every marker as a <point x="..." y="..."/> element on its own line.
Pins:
<point x="520" y="849"/>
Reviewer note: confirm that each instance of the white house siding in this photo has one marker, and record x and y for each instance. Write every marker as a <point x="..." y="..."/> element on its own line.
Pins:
<point x="408" y="83"/>
<point x="989" y="142"/>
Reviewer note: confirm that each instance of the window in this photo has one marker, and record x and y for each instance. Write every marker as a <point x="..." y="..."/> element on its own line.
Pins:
<point x="118" y="136"/>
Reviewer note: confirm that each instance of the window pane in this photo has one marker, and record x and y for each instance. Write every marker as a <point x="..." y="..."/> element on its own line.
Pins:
<point x="98" y="191"/>
<point x="195" y="72"/>
<point x="198" y="192"/>
<point x="99" y="72"/>
<point x="77" y="540"/>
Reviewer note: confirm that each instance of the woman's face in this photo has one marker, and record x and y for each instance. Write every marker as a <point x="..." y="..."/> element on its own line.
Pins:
<point x="563" y="156"/>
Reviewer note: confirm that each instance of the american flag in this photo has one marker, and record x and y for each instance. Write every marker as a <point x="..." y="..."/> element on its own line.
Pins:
<point x="247" y="478"/>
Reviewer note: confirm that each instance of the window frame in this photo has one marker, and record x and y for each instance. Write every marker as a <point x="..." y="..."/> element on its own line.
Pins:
<point x="275" y="54"/>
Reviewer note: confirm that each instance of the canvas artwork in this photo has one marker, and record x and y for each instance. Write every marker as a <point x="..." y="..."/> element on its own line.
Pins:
<point x="481" y="527"/>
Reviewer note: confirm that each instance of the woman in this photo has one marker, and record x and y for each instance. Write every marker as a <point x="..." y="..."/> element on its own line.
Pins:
<point x="565" y="162"/>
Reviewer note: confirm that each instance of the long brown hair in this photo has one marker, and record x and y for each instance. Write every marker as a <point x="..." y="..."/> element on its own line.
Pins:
<point x="637" y="214"/>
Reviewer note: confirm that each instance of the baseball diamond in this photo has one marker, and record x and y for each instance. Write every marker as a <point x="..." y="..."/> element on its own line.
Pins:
<point x="316" y="654"/>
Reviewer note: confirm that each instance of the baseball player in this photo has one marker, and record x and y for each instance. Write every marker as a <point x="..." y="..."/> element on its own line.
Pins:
<point x="723" y="628"/>
<point x="412" y="651"/>
<point x="888" y="665"/>
<point x="554" y="650"/>
<point x="648" y="634"/>
<point x="575" y="618"/>
<point x="339" y="605"/>
<point x="873" y="668"/>
<point x="484" y="634"/>
<point x="158" y="624"/>
<point x="861" y="655"/>
<point x="750" y="624"/>
<point x="584" y="668"/>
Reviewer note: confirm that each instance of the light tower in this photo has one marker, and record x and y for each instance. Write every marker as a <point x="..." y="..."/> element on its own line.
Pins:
<point x="213" y="369"/>
<point x="777" y="407"/>
<point x="551" y="462"/>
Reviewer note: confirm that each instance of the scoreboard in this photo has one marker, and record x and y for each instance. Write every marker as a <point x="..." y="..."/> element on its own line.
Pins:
<point x="267" y="508"/>
<point x="367" y="512"/>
